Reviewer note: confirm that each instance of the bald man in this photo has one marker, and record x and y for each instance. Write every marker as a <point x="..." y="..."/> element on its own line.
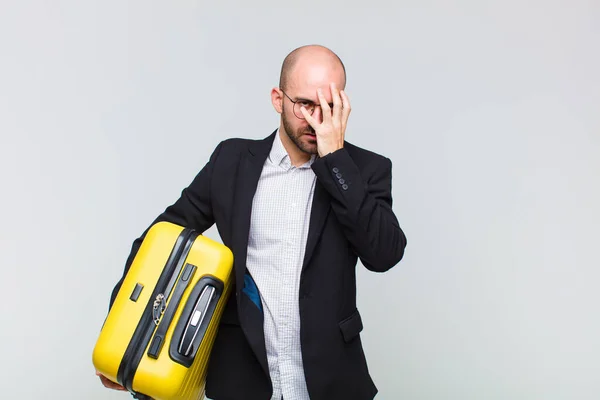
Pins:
<point x="298" y="209"/>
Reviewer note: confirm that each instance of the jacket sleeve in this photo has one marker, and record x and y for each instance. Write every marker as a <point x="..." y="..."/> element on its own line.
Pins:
<point x="192" y="209"/>
<point x="363" y="208"/>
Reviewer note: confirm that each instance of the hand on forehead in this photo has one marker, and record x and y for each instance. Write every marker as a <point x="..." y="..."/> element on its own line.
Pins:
<point x="307" y="89"/>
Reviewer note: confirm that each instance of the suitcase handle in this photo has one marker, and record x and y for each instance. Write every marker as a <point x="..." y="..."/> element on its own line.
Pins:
<point x="195" y="318"/>
<point x="198" y="316"/>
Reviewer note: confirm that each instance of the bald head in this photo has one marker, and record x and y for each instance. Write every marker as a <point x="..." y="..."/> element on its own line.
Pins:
<point x="307" y="56"/>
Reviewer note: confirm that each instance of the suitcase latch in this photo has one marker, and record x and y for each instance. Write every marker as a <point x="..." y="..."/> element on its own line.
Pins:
<point x="158" y="308"/>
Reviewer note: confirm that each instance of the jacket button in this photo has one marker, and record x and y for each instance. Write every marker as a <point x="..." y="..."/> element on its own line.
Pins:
<point x="341" y="181"/>
<point x="345" y="187"/>
<point x="336" y="170"/>
<point x="338" y="175"/>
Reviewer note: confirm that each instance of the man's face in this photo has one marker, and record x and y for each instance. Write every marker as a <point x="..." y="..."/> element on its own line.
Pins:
<point x="304" y="81"/>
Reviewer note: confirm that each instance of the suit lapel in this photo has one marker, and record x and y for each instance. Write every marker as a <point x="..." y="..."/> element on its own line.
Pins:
<point x="248" y="174"/>
<point x="319" y="212"/>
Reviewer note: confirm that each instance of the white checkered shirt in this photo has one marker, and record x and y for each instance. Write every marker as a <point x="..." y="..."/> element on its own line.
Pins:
<point x="277" y="241"/>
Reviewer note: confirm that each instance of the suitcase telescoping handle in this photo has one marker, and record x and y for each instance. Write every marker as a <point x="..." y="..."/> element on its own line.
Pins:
<point x="199" y="314"/>
<point x="195" y="319"/>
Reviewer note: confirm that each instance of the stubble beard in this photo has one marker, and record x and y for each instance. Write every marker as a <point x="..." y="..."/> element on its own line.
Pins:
<point x="296" y="137"/>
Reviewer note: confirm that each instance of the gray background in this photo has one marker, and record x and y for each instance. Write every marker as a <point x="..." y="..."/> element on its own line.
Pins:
<point x="488" y="110"/>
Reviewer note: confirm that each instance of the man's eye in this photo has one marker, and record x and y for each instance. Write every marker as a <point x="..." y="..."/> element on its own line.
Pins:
<point x="306" y="104"/>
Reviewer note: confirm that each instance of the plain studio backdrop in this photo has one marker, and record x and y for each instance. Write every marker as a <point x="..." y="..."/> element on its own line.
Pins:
<point x="488" y="110"/>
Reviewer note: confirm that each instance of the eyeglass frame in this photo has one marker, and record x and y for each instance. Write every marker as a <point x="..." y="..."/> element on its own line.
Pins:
<point x="314" y="105"/>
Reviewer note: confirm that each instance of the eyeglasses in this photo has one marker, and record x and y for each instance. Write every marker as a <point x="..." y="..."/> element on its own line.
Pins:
<point x="298" y="104"/>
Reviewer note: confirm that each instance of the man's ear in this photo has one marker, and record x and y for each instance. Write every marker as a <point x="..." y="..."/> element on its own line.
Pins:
<point x="277" y="99"/>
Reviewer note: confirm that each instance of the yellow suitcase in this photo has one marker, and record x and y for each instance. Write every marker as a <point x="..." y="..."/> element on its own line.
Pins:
<point x="159" y="332"/>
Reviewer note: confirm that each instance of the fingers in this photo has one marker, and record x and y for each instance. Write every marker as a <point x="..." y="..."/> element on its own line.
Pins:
<point x="110" y="384"/>
<point x="325" y="109"/>
<point x="336" y="118"/>
<point x="337" y="102"/>
<point x="311" y="121"/>
<point x="346" y="109"/>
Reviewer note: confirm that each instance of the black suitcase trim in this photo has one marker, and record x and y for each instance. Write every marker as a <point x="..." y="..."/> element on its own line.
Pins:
<point x="146" y="327"/>
<point x="161" y="331"/>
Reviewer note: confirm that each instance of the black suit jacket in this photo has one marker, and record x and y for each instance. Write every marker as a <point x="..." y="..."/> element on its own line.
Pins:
<point x="351" y="217"/>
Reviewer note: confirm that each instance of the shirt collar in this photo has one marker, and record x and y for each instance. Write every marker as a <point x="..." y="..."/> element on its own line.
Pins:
<point x="279" y="155"/>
